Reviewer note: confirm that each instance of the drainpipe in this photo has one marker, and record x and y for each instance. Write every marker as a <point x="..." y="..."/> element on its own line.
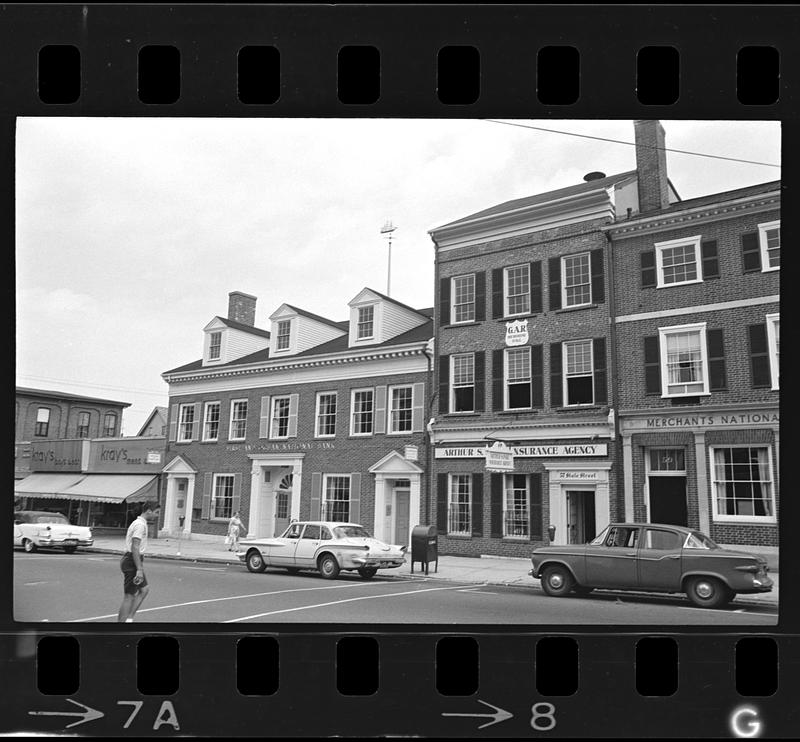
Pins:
<point x="611" y="360"/>
<point x="431" y="397"/>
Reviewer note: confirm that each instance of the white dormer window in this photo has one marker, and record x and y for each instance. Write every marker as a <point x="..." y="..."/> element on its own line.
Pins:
<point x="366" y="322"/>
<point x="214" y="346"/>
<point x="284" y="334"/>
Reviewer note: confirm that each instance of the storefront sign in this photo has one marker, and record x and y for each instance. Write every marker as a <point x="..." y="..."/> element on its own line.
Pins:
<point x="742" y="419"/>
<point x="577" y="476"/>
<point x="477" y="452"/>
<point x="411" y="453"/>
<point x="292" y="446"/>
<point x="499" y="457"/>
<point x="127" y="455"/>
<point x="517" y="332"/>
<point x="71" y="455"/>
<point x="154" y="457"/>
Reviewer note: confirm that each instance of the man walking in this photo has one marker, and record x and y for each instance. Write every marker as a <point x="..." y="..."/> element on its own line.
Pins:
<point x="134" y="582"/>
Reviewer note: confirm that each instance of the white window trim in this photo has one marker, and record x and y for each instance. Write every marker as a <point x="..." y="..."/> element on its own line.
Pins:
<point x="506" y="351"/>
<point x="213" y="505"/>
<point x="371" y="336"/>
<point x="389" y="410"/>
<point x="230" y="420"/>
<point x="506" y="478"/>
<point x="211" y="334"/>
<point x="774" y="363"/>
<point x="741" y="519"/>
<point x="468" y="532"/>
<point x="352" y="412"/>
<point x="272" y="420"/>
<point x="762" y="244"/>
<point x="288" y="348"/>
<point x="323" y="499"/>
<point x="506" y="297"/>
<point x="564" y="372"/>
<point x="179" y="432"/>
<point x="206" y="406"/>
<point x="317" y="434"/>
<point x="661" y="246"/>
<point x="453" y="280"/>
<point x="663" y="332"/>
<point x="564" y="281"/>
<point x="452" y="407"/>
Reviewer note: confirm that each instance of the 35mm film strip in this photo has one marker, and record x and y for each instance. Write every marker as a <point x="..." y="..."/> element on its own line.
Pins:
<point x="615" y="345"/>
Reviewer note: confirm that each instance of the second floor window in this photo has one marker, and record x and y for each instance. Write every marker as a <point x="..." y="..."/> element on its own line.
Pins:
<point x="110" y="425"/>
<point x="463" y="293"/>
<point x="774" y="346"/>
<point x="42" y="421"/>
<point x="366" y="322"/>
<point x="238" y="429"/>
<point x="284" y="333"/>
<point x="577" y="280"/>
<point x="326" y="414"/>
<point x="280" y="417"/>
<point x="463" y="383"/>
<point x="683" y="360"/>
<point x="214" y="346"/>
<point x="83" y="425"/>
<point x="362" y="407"/>
<point x="186" y="422"/>
<point x="401" y="409"/>
<point x="518" y="290"/>
<point x="578" y="374"/>
<point x="678" y="261"/>
<point x="211" y="422"/>
<point x="769" y="238"/>
<point x="518" y="378"/>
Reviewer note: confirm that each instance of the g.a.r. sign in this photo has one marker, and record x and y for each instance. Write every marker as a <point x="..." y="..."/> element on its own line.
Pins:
<point x="517" y="332"/>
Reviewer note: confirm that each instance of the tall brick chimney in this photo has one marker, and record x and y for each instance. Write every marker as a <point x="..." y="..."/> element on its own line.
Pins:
<point x="242" y="308"/>
<point x="651" y="165"/>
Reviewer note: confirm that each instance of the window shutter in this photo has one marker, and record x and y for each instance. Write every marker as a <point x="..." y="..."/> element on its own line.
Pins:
<point x="554" y="271"/>
<point x="355" y="497"/>
<point x="207" y="482"/>
<point x="536" y="286"/>
<point x="480" y="296"/>
<point x="444" y="384"/>
<point x="536" y="507"/>
<point x="652" y="365"/>
<point x="717" y="379"/>
<point x="173" y="423"/>
<point x="480" y="381"/>
<point x="600" y="383"/>
<point x="197" y="422"/>
<point x="648" y="269"/>
<point x="759" y="356"/>
<point x="316" y="495"/>
<point x="417" y="408"/>
<point x="497" y="380"/>
<point x="380" y="409"/>
<point x="441" y="503"/>
<point x="708" y="251"/>
<point x="293" y="404"/>
<point x="496" y="505"/>
<point x="237" y="493"/>
<point x="477" y="505"/>
<point x="556" y="391"/>
<point x="497" y="293"/>
<point x="598" y="276"/>
<point x="444" y="301"/>
<point x="263" y="420"/>
<point x="537" y="376"/>
<point x="751" y="253"/>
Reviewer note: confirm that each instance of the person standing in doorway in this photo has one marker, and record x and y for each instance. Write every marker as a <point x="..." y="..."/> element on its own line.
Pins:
<point x="134" y="582"/>
<point x="235" y="529"/>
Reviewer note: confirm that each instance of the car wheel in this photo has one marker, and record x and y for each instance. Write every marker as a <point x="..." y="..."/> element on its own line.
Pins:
<point x="581" y="590"/>
<point x="29" y="546"/>
<point x="368" y="573"/>
<point x="708" y="592"/>
<point x="557" y="581"/>
<point x="328" y="566"/>
<point x="255" y="561"/>
<point x="70" y="549"/>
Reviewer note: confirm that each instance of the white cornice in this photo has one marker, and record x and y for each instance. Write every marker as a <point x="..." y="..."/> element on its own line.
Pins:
<point x="452" y="431"/>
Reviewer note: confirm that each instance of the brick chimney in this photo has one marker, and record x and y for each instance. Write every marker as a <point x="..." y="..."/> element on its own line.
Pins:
<point x="242" y="308"/>
<point x="651" y="165"/>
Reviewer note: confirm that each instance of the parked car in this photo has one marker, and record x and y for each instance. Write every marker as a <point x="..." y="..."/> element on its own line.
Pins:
<point x="324" y="546"/>
<point x="37" y="529"/>
<point x="651" y="557"/>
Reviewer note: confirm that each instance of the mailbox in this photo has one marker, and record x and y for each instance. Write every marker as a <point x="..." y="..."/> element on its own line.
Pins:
<point x="551" y="533"/>
<point x="424" y="546"/>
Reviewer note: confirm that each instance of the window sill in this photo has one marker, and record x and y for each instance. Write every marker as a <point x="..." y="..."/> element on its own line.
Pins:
<point x="576" y="309"/>
<point x="458" y="536"/>
<point x="215" y="440"/>
<point x="360" y="435"/>
<point x="236" y="440"/>
<point x="517" y="317"/>
<point x="676" y="285"/>
<point x="520" y="411"/>
<point x="455" y="325"/>
<point x="744" y="520"/>
<point x="462" y="414"/>
<point x="579" y="408"/>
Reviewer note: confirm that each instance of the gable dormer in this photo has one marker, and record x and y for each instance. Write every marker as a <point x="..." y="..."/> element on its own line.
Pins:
<point x="295" y="330"/>
<point x="226" y="340"/>
<point x="375" y="319"/>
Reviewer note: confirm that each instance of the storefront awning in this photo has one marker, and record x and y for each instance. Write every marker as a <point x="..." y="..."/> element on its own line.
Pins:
<point x="46" y="484"/>
<point x="113" y="488"/>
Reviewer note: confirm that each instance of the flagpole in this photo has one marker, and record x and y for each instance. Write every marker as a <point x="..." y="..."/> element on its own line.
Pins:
<point x="387" y="229"/>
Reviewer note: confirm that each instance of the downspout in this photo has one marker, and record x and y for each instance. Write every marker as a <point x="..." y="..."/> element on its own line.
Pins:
<point x="612" y="369"/>
<point x="431" y="397"/>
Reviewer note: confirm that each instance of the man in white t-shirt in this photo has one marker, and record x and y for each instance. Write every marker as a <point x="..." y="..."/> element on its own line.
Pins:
<point x="134" y="582"/>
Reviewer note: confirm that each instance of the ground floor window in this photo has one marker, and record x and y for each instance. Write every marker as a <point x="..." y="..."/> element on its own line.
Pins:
<point x="223" y="495"/>
<point x="516" y="516"/>
<point x="742" y="482"/>
<point x="458" y="505"/>
<point x="336" y="498"/>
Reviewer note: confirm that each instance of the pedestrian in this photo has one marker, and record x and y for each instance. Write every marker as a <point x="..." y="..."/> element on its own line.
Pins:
<point x="134" y="582"/>
<point x="235" y="528"/>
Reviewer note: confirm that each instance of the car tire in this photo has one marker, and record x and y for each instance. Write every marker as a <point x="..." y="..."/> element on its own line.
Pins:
<point x="367" y="573"/>
<point x="708" y="592"/>
<point x="29" y="546"/>
<point x="328" y="566"/>
<point x="557" y="581"/>
<point x="255" y="561"/>
<point x="70" y="549"/>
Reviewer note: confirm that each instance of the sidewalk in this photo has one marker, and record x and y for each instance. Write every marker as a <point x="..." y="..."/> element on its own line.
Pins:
<point x="491" y="570"/>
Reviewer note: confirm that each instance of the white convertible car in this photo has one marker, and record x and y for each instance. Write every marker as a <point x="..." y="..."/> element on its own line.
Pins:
<point x="36" y="529"/>
<point x="323" y="546"/>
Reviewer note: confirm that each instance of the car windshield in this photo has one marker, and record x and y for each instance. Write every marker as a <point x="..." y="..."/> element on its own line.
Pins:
<point x="54" y="518"/>
<point x="697" y="540"/>
<point x="350" y="532"/>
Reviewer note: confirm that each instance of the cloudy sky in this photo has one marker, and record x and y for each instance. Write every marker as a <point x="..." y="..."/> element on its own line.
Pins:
<point x="132" y="232"/>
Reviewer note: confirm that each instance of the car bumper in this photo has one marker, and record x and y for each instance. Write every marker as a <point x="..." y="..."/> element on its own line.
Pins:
<point x="44" y="542"/>
<point x="358" y="562"/>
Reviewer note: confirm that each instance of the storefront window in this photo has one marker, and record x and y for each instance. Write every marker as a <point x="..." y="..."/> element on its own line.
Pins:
<point x="458" y="506"/>
<point x="743" y="483"/>
<point x="516" y="518"/>
<point x="223" y="495"/>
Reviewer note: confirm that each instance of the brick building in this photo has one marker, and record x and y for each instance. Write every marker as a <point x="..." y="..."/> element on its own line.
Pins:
<point x="696" y="287"/>
<point x="312" y="419"/>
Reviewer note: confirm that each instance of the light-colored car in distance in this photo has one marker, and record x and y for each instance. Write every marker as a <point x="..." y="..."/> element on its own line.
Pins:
<point x="39" y="529"/>
<point x="325" y="546"/>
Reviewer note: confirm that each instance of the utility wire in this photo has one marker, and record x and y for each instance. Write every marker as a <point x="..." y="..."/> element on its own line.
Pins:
<point x="95" y="386"/>
<point x="631" y="144"/>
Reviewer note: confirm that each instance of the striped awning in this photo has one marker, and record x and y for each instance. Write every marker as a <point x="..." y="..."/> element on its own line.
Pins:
<point x="114" y="488"/>
<point x="48" y="484"/>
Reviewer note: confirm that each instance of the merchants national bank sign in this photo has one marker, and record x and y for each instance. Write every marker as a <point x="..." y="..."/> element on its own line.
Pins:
<point x="571" y="450"/>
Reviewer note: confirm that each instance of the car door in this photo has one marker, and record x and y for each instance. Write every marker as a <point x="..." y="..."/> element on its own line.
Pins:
<point x="660" y="559"/>
<point x="613" y="563"/>
<point x="307" y="546"/>
<point x="280" y="551"/>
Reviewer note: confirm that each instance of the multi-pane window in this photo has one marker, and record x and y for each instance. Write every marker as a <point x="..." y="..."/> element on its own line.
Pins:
<point x="518" y="378"/>
<point x="577" y="280"/>
<point x="578" y="374"/>
<point x="769" y="237"/>
<point x="774" y="345"/>
<point x="83" y="425"/>
<point x="238" y="427"/>
<point x="459" y="501"/>
<point x="214" y="346"/>
<point x="211" y="421"/>
<point x="326" y="414"/>
<point x="742" y="480"/>
<point x="362" y="410"/>
<point x="667" y="460"/>
<point x="518" y="288"/>
<point x="463" y="383"/>
<point x="516" y="516"/>
<point x="678" y="261"/>
<point x="401" y="409"/>
<point x="683" y="358"/>
<point x="336" y="498"/>
<point x="185" y="422"/>
<point x="42" y="421"/>
<point x="282" y="504"/>
<point x="283" y="334"/>
<point x="110" y="425"/>
<point x="366" y="322"/>
<point x="280" y="418"/>
<point x="223" y="495"/>
<point x="463" y="293"/>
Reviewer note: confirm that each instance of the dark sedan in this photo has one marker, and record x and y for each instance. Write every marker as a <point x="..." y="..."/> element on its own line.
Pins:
<point x="651" y="557"/>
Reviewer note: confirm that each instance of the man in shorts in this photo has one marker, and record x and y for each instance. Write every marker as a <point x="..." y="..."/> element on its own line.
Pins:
<point x="134" y="582"/>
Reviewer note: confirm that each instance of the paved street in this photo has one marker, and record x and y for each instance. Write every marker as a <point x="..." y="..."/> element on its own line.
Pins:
<point x="87" y="587"/>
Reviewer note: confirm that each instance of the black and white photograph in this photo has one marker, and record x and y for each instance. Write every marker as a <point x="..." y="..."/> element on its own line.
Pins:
<point x="397" y="371"/>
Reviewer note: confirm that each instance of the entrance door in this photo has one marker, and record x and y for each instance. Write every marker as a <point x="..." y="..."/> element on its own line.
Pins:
<point x="180" y="505"/>
<point x="266" y="511"/>
<point x="668" y="500"/>
<point x="580" y="516"/>
<point x="402" y="509"/>
<point x="283" y="499"/>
